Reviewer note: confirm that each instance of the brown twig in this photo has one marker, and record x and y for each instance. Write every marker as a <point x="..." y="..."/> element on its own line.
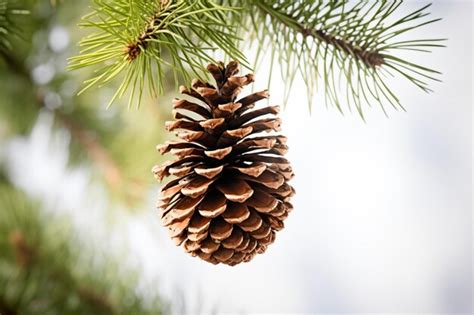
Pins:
<point x="134" y="49"/>
<point x="370" y="58"/>
<point x="94" y="149"/>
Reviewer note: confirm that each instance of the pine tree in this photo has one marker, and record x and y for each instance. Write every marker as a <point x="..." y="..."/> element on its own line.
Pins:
<point x="134" y="51"/>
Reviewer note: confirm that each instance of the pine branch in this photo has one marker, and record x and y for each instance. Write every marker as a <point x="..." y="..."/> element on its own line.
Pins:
<point x="137" y="39"/>
<point x="370" y="58"/>
<point x="350" y="46"/>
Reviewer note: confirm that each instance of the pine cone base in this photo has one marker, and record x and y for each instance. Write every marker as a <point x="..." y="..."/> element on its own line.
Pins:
<point x="231" y="192"/>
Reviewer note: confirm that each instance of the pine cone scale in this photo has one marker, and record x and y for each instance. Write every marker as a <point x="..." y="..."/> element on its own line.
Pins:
<point x="236" y="213"/>
<point x="213" y="205"/>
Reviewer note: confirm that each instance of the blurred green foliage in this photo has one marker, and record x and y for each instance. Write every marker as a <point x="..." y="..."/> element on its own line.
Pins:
<point x="45" y="268"/>
<point x="119" y="145"/>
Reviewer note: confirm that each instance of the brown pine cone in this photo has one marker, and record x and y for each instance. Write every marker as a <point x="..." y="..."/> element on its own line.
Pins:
<point x="231" y="193"/>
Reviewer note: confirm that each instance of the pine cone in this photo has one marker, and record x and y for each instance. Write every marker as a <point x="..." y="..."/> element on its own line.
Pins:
<point x="231" y="193"/>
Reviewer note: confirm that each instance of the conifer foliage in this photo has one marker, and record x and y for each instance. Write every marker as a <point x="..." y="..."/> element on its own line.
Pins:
<point x="347" y="48"/>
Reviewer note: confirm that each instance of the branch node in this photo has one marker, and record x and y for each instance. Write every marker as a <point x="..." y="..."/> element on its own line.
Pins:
<point x="370" y="58"/>
<point x="134" y="49"/>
